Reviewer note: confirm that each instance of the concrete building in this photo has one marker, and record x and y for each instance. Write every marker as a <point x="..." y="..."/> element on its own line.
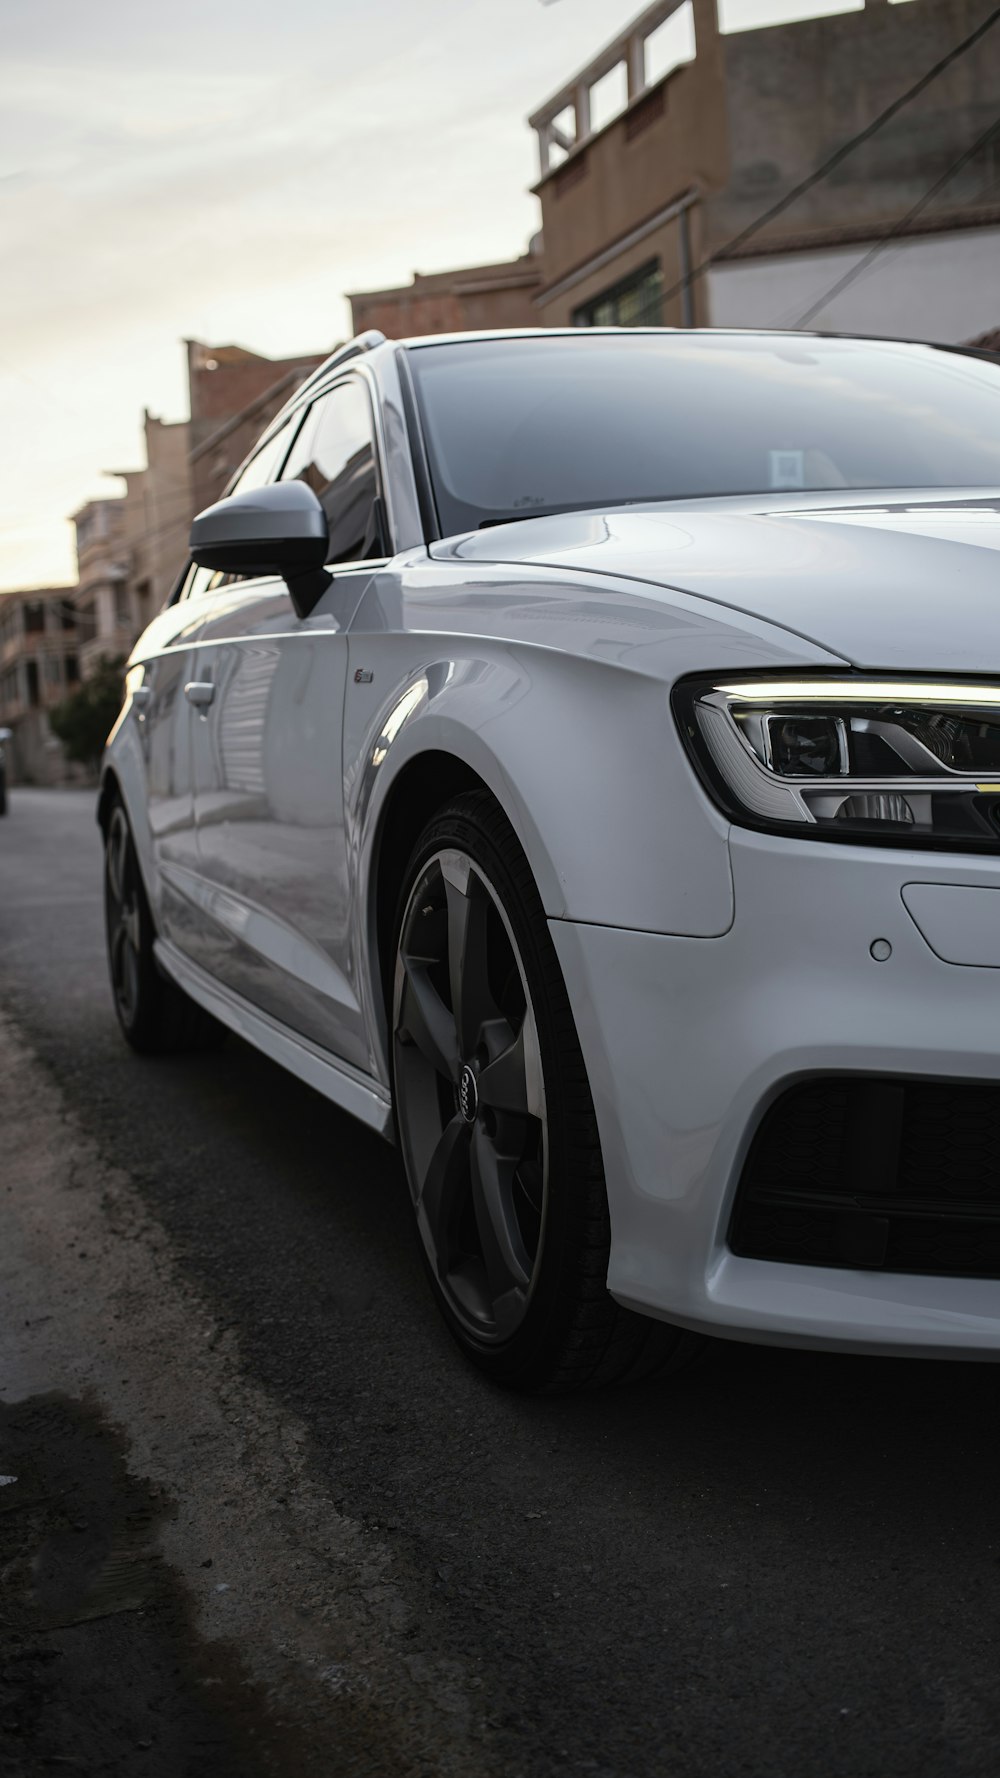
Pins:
<point x="480" y="296"/>
<point x="155" y="519"/>
<point x="105" y="621"/>
<point x="233" y="394"/>
<point x="676" y="138"/>
<point x="39" y="664"/>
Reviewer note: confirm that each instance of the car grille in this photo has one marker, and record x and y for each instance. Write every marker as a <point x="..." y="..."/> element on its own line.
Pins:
<point x="891" y="1175"/>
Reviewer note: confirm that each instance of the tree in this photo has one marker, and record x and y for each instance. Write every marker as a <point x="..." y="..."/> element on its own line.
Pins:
<point x="86" y="717"/>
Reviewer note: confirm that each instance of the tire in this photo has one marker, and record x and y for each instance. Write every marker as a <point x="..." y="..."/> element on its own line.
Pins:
<point x="3" y="791"/>
<point x="156" y="1017"/>
<point x="496" y="1123"/>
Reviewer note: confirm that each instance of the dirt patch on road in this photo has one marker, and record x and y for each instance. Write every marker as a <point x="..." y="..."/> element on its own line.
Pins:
<point x="100" y="1668"/>
<point x="211" y="1550"/>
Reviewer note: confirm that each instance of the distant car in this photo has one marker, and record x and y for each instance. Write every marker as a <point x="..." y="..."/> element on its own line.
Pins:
<point x="578" y="753"/>
<point x="5" y="736"/>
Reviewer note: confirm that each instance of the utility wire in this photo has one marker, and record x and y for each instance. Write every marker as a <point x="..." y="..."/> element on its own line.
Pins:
<point x="834" y="160"/>
<point x="891" y="233"/>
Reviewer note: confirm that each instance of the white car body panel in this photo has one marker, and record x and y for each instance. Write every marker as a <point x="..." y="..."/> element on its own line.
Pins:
<point x="862" y="575"/>
<point x="676" y="1120"/>
<point x="707" y="966"/>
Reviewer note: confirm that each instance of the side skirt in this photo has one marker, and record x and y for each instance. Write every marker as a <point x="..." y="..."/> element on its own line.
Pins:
<point x="353" y="1091"/>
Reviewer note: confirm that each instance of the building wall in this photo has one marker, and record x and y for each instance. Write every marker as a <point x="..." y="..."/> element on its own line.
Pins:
<point x="169" y="509"/>
<point x="476" y="297"/>
<point x="670" y="140"/>
<point x="233" y="395"/>
<point x="104" y="614"/>
<point x="795" y="92"/>
<point x="39" y="664"/>
<point x="942" y="287"/>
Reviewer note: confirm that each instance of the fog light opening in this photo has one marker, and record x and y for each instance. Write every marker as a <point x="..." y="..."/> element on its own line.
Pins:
<point x="871" y="806"/>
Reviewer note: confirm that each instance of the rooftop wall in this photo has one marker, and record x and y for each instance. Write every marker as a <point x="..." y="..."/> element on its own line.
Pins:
<point x="796" y="92"/>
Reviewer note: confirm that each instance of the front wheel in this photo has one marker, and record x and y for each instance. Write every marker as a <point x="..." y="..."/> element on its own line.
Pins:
<point x="154" y="1014"/>
<point x="496" y="1122"/>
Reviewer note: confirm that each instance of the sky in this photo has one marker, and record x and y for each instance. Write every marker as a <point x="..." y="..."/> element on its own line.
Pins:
<point x="225" y="171"/>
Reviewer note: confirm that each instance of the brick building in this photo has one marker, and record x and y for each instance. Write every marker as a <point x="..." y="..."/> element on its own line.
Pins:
<point x="39" y="663"/>
<point x="481" y="296"/>
<point x="233" y="394"/>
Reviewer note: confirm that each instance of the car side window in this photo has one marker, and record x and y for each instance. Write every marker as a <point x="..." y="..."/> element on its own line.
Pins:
<point x="335" y="454"/>
<point x="260" y="470"/>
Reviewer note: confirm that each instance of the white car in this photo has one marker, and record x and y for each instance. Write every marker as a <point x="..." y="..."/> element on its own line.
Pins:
<point x="577" y="754"/>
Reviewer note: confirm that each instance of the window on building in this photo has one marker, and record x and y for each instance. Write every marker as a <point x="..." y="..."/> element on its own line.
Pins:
<point x="122" y="614"/>
<point x="53" y="669"/>
<point x="335" y="455"/>
<point x="637" y="301"/>
<point x="72" y="669"/>
<point x="32" y="683"/>
<point x="68" y="616"/>
<point x="34" y="618"/>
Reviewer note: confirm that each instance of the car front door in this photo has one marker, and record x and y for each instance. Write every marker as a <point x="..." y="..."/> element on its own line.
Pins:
<point x="267" y="751"/>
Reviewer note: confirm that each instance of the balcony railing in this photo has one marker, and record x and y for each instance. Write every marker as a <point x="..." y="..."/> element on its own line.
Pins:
<point x="566" y="121"/>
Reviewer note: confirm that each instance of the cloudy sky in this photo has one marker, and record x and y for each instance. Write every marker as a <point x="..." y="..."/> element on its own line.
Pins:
<point x="224" y="171"/>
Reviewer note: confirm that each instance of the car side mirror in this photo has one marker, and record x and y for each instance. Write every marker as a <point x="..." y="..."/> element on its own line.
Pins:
<point x="281" y="529"/>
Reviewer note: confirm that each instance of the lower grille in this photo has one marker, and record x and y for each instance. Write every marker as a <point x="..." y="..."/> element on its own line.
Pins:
<point x="890" y="1175"/>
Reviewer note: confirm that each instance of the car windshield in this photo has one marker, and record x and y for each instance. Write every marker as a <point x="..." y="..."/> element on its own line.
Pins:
<point x="519" y="427"/>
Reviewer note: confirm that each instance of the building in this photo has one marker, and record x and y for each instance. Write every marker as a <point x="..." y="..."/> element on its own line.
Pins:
<point x="105" y="621"/>
<point x="233" y="394"/>
<point x="155" y="520"/>
<point x="131" y="548"/>
<point x="39" y="663"/>
<point x="675" y="139"/>
<point x="167" y="512"/>
<point x="481" y="296"/>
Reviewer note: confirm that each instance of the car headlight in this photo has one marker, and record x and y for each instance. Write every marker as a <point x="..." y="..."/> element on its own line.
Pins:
<point x="898" y="761"/>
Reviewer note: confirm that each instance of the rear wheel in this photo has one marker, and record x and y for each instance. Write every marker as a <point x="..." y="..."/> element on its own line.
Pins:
<point x="496" y="1121"/>
<point x="154" y="1014"/>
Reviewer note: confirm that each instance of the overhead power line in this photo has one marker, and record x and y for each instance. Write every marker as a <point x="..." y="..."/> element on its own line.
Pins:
<point x="891" y="234"/>
<point x="834" y="160"/>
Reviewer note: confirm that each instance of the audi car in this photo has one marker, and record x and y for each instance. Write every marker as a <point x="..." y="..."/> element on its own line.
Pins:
<point x="577" y="754"/>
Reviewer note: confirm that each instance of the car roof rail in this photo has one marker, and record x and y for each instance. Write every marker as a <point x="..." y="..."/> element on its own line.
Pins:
<point x="363" y="342"/>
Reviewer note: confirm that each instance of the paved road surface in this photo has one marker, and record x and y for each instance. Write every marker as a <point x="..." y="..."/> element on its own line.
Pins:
<point x="266" y="1520"/>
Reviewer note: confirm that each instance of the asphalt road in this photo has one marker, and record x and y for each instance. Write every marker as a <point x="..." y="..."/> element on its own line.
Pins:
<point x="214" y="1327"/>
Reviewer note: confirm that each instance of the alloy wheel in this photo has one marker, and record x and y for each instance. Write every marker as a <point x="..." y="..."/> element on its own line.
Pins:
<point x="470" y="1097"/>
<point x="122" y="915"/>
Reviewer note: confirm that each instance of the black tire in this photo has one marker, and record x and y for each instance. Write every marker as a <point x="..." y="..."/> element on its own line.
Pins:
<point x="156" y="1017"/>
<point x="3" y="791"/>
<point x="515" y="1237"/>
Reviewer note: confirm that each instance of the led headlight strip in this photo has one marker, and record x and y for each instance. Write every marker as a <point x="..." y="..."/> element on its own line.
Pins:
<point x="892" y="760"/>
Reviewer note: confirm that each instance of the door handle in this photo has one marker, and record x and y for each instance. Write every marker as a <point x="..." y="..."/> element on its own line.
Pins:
<point x="199" y="692"/>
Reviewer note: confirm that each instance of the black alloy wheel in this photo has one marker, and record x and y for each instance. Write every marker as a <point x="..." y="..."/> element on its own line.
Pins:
<point x="496" y="1123"/>
<point x="154" y="1014"/>
<point x="121" y="906"/>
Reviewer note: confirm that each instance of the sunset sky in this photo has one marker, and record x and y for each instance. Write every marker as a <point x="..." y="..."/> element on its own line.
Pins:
<point x="225" y="172"/>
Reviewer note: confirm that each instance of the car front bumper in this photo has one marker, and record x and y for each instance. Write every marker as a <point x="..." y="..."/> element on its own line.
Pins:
<point x="688" y="1041"/>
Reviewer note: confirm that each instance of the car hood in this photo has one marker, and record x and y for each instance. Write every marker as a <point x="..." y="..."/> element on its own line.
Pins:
<point x="904" y="580"/>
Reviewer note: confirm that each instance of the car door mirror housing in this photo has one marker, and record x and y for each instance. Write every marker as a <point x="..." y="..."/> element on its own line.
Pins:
<point x="280" y="529"/>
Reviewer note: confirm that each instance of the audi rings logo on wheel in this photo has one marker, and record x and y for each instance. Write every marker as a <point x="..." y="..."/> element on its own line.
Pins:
<point x="468" y="1095"/>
